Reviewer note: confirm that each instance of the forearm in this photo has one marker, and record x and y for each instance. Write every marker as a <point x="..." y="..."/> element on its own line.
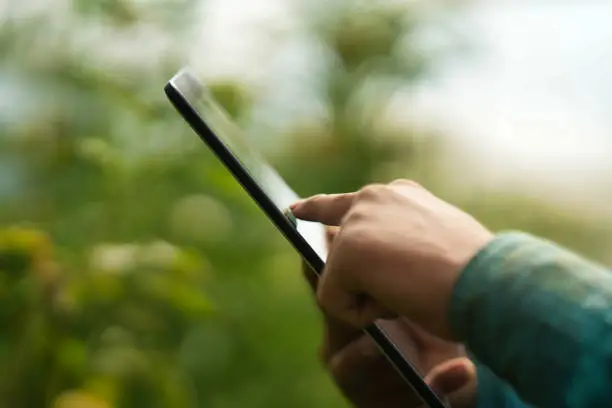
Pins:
<point x="541" y="319"/>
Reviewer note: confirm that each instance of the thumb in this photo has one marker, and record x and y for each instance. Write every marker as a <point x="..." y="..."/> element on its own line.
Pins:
<point x="455" y="380"/>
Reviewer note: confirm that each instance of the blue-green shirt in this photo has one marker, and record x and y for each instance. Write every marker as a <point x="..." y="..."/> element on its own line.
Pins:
<point x="495" y="393"/>
<point x="539" y="317"/>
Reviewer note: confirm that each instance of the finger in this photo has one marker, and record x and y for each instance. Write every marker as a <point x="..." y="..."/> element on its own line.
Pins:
<point x="330" y="235"/>
<point x="336" y="334"/>
<point x="454" y="380"/>
<point x="328" y="209"/>
<point x="340" y="296"/>
<point x="432" y="349"/>
<point x="355" y="361"/>
<point x="464" y="397"/>
<point x="351" y="308"/>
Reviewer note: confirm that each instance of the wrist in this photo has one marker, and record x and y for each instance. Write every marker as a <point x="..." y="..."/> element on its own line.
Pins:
<point x="457" y="262"/>
<point x="474" y="280"/>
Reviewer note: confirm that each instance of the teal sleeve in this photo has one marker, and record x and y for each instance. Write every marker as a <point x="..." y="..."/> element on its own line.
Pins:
<point x="495" y="393"/>
<point x="540" y="318"/>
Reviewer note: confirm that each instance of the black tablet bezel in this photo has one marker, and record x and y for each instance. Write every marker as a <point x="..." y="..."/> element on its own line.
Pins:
<point x="392" y="352"/>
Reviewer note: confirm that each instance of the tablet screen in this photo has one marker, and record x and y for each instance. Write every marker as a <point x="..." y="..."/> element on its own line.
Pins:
<point x="236" y="141"/>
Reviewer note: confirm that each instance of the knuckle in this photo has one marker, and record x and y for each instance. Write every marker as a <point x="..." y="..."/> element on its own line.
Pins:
<point x="370" y="191"/>
<point x="405" y="183"/>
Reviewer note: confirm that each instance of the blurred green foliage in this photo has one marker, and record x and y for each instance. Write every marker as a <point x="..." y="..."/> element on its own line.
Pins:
<point x="134" y="272"/>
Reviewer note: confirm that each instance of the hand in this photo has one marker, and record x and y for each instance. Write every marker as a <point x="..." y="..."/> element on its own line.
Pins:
<point x="368" y="380"/>
<point x="399" y="249"/>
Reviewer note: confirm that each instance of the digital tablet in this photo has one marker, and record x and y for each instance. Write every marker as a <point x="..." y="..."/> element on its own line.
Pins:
<point x="272" y="194"/>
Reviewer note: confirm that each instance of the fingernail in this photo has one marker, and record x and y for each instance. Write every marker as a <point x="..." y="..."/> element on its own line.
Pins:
<point x="296" y="205"/>
<point x="451" y="380"/>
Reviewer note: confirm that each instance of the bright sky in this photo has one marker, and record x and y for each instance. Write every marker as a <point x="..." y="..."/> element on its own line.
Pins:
<point x="532" y="106"/>
<point x="537" y="100"/>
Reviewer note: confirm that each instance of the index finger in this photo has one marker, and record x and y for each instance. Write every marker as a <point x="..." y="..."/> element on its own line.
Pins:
<point x="328" y="209"/>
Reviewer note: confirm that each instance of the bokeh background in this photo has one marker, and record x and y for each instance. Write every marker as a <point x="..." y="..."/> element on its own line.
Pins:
<point x="134" y="272"/>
